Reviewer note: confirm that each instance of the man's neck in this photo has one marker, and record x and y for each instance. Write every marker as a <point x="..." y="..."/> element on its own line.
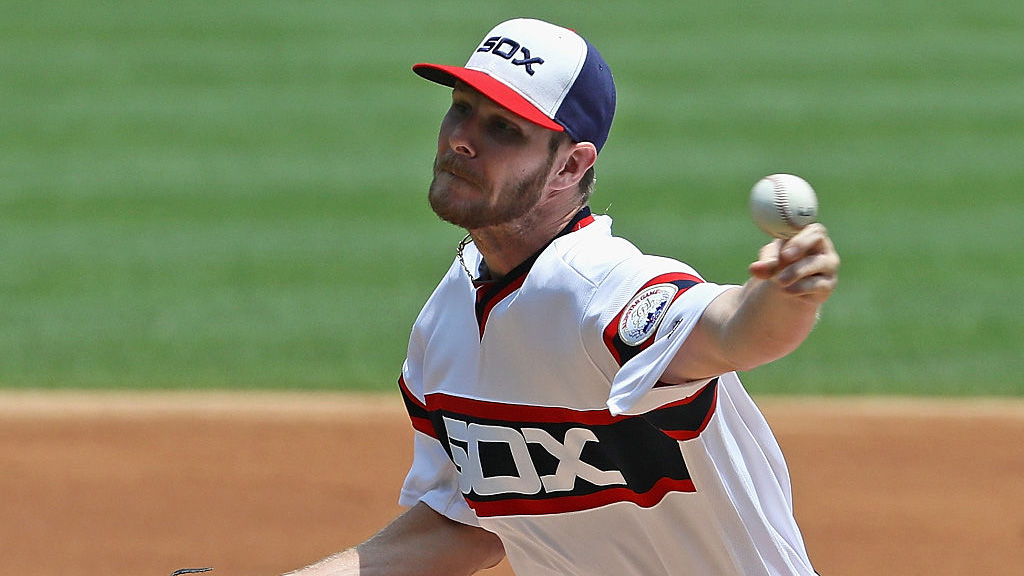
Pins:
<point x="505" y="246"/>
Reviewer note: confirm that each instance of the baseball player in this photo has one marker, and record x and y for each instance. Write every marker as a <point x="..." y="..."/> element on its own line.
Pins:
<point x="575" y="402"/>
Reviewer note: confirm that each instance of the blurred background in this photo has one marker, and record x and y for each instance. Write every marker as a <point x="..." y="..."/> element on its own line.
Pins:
<point x="231" y="194"/>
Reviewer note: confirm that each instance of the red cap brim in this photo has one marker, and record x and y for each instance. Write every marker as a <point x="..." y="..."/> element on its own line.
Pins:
<point x="488" y="86"/>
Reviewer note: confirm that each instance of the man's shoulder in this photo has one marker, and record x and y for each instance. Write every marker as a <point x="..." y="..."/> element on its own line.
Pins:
<point x="596" y="255"/>
<point x="593" y="250"/>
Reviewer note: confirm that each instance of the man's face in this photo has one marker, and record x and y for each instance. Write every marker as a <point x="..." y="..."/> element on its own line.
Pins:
<point x="491" y="166"/>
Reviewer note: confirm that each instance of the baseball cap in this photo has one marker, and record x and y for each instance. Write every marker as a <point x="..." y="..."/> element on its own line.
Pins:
<point x="541" y="72"/>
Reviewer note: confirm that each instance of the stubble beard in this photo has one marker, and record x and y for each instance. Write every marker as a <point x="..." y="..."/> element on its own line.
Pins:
<point x="491" y="207"/>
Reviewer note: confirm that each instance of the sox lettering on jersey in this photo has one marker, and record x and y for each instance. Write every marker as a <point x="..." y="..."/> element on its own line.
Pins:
<point x="527" y="481"/>
<point x="553" y="460"/>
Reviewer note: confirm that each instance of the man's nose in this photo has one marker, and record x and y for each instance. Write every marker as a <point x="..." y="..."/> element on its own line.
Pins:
<point x="461" y="139"/>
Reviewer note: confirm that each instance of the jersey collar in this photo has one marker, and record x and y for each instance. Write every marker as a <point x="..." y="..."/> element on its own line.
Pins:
<point x="491" y="291"/>
<point x="582" y="219"/>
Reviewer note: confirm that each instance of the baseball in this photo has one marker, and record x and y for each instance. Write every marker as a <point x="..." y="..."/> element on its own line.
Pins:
<point x="782" y="204"/>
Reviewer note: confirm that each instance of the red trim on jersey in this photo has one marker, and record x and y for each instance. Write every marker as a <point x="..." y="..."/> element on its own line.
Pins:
<point x="528" y="507"/>
<point x="612" y="341"/>
<point x="686" y="419"/>
<point x="408" y="394"/>
<point x="423" y="425"/>
<point x="548" y="414"/>
<point x="494" y="299"/>
<point x="583" y="223"/>
<point x="417" y="410"/>
<point x="519" y="412"/>
<point x="611" y="332"/>
<point x="684" y="435"/>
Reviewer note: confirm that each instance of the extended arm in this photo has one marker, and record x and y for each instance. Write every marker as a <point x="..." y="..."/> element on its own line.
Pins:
<point x="420" y="542"/>
<point x="769" y="316"/>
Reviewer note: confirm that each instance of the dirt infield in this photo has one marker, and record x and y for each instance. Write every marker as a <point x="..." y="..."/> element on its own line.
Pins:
<point x="254" y="484"/>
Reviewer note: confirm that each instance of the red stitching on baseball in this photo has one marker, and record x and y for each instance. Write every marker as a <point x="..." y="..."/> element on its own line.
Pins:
<point x="780" y="201"/>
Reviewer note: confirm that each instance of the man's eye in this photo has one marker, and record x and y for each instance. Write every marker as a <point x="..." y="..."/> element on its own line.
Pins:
<point x="506" y="127"/>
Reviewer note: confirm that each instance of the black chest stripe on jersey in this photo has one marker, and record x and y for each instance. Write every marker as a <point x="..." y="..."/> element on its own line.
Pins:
<point x="516" y="460"/>
<point x="623" y="352"/>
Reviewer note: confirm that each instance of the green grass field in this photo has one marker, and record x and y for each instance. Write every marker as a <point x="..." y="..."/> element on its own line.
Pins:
<point x="232" y="194"/>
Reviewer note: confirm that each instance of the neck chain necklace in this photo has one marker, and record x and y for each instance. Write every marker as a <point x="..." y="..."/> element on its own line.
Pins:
<point x="462" y="260"/>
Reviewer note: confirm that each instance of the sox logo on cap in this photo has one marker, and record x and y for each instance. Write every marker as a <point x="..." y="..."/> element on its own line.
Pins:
<point x="507" y="48"/>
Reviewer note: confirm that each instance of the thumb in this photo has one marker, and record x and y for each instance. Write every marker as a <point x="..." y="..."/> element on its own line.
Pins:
<point x="767" y="263"/>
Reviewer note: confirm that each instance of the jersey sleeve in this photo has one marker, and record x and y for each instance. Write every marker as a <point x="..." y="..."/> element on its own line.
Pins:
<point x="644" y="311"/>
<point x="432" y="478"/>
<point x="637" y="387"/>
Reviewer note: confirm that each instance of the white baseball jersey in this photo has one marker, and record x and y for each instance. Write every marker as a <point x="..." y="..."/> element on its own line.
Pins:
<point x="540" y="416"/>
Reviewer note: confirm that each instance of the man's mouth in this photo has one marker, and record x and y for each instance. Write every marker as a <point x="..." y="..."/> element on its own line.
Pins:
<point x="463" y="177"/>
<point x="458" y="173"/>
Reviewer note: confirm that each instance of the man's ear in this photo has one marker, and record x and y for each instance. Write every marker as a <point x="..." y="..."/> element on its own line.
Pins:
<point x="581" y="156"/>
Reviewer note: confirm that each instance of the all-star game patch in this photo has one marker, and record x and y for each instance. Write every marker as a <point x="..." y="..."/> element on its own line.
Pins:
<point x="641" y="317"/>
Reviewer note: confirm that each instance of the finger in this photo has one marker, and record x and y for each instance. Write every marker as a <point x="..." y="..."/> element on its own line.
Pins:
<point x="810" y="240"/>
<point x="814" y="278"/>
<point x="822" y="260"/>
<point x="817" y="288"/>
<point x="767" y="263"/>
<point x="825" y="264"/>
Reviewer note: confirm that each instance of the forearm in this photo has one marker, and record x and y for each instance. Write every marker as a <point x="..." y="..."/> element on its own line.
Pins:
<point x="342" y="564"/>
<point x="767" y="324"/>
<point x="421" y="542"/>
